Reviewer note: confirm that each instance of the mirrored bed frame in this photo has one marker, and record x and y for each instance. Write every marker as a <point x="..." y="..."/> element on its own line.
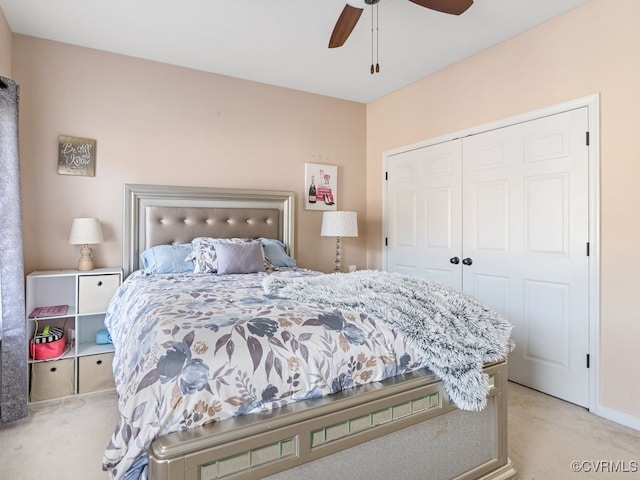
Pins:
<point x="401" y="428"/>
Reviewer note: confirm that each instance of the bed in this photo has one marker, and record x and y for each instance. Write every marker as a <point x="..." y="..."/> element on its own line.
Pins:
<point x="275" y="406"/>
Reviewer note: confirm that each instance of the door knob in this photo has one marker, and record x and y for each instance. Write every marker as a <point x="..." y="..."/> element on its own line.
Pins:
<point x="467" y="261"/>
<point x="454" y="260"/>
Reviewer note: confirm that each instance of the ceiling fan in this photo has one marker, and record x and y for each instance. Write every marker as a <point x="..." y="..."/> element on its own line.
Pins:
<point x="354" y="8"/>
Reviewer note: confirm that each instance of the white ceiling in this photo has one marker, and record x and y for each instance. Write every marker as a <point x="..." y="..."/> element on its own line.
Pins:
<point x="284" y="42"/>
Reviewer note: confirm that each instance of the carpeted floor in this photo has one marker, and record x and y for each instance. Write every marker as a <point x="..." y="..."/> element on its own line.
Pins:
<point x="65" y="440"/>
<point x="547" y="435"/>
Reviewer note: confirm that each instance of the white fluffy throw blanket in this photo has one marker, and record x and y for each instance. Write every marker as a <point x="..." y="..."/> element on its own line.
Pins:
<point x="456" y="333"/>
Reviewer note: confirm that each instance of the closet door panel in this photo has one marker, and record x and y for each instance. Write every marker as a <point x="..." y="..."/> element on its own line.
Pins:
<point x="547" y="208"/>
<point x="492" y="290"/>
<point x="536" y="242"/>
<point x="546" y="320"/>
<point x="404" y="224"/>
<point x="403" y="227"/>
<point x="424" y="213"/>
<point x="491" y="219"/>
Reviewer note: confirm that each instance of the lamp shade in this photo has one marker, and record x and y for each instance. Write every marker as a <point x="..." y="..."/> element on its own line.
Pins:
<point x="339" y="224"/>
<point x="85" y="231"/>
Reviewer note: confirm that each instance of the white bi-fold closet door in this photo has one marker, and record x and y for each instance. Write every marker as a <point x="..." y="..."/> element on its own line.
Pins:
<point x="503" y="215"/>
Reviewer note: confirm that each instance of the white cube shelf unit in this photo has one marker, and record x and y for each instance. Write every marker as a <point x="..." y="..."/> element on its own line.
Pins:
<point x="84" y="366"/>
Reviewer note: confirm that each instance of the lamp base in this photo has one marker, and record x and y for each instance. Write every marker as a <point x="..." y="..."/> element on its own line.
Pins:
<point x="86" y="262"/>
<point x="337" y="262"/>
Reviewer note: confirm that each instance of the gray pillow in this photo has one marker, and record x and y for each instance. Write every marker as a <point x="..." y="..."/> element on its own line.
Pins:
<point x="204" y="256"/>
<point x="239" y="257"/>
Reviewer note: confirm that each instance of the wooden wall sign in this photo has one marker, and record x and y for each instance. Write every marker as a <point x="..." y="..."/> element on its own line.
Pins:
<point x="76" y="156"/>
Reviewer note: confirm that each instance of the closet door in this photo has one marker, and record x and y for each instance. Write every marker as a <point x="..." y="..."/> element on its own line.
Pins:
<point x="424" y="213"/>
<point x="525" y="232"/>
<point x="510" y="206"/>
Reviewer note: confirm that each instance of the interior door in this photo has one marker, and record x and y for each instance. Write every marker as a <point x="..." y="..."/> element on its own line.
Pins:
<point x="424" y="213"/>
<point x="523" y="234"/>
<point x="525" y="224"/>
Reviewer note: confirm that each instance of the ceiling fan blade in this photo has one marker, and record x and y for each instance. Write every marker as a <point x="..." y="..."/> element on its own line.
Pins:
<point x="453" y="7"/>
<point x="344" y="26"/>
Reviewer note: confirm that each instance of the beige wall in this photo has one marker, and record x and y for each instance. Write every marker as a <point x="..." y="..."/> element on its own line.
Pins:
<point x="6" y="42"/>
<point x="588" y="50"/>
<point x="167" y="125"/>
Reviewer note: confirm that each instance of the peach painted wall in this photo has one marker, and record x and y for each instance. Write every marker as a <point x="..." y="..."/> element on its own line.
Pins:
<point x="592" y="49"/>
<point x="148" y="117"/>
<point x="6" y="43"/>
<point x="160" y="124"/>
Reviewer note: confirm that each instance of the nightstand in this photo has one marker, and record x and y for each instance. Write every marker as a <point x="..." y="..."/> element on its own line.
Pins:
<point x="84" y="365"/>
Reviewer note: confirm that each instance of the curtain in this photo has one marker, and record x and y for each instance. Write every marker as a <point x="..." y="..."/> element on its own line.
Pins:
<point x="13" y="350"/>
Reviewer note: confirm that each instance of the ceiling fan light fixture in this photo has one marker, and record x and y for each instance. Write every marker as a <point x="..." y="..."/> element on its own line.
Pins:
<point x="361" y="3"/>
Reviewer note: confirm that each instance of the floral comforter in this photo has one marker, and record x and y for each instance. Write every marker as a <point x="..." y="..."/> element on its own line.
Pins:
<point x="198" y="348"/>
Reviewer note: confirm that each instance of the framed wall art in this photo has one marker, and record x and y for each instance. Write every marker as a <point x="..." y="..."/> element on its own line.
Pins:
<point x="320" y="186"/>
<point x="76" y="156"/>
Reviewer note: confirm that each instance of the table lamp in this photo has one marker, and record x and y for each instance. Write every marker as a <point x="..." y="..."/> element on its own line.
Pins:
<point x="339" y="224"/>
<point x="85" y="231"/>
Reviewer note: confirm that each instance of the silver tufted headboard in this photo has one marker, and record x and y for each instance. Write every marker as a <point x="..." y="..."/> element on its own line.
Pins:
<point x="157" y="215"/>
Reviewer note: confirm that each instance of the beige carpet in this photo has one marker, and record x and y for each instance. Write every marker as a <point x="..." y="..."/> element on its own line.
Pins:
<point x="65" y="440"/>
<point x="546" y="435"/>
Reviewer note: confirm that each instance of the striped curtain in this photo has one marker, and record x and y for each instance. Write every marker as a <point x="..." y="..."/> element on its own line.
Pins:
<point x="13" y="351"/>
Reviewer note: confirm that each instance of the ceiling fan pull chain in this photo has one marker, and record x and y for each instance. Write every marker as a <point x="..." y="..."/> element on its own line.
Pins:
<point x="377" y="42"/>
<point x="375" y="39"/>
<point x="372" y="70"/>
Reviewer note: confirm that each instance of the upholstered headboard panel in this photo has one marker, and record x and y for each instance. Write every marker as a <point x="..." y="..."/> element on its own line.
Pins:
<point x="157" y="214"/>
<point x="169" y="225"/>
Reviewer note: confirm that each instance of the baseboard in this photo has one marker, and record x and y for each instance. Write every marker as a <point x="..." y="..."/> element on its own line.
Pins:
<point x="506" y="472"/>
<point x="617" y="416"/>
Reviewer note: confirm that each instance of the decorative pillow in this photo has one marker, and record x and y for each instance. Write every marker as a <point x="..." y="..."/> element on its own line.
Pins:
<point x="245" y="257"/>
<point x="167" y="259"/>
<point x="276" y="254"/>
<point x="204" y="254"/>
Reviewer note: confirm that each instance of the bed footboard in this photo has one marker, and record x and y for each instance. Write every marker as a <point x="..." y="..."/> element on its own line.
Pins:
<point x="402" y="427"/>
